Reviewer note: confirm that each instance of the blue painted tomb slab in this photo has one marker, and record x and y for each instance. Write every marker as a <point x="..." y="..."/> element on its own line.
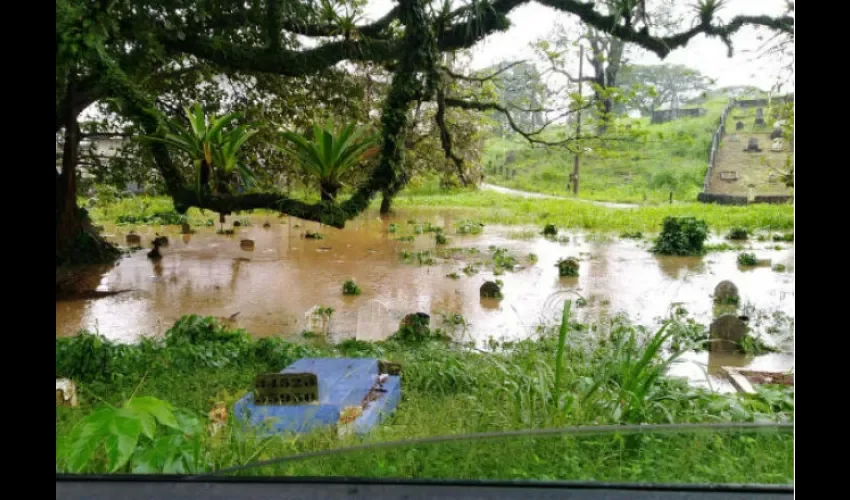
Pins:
<point x="342" y="382"/>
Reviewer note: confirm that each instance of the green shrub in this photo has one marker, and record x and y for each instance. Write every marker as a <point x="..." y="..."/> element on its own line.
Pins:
<point x="681" y="236"/>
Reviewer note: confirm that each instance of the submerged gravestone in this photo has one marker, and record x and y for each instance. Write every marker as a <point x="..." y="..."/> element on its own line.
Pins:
<point x="726" y="333"/>
<point x="726" y="293"/>
<point x="134" y="240"/>
<point x="753" y="145"/>
<point x="490" y="290"/>
<point x="373" y="321"/>
<point x="739" y="126"/>
<point x="318" y="319"/>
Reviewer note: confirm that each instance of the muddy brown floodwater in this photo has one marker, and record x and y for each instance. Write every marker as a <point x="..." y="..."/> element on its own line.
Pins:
<point x="272" y="286"/>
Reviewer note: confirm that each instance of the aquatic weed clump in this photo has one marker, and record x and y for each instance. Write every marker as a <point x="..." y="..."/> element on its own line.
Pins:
<point x="681" y="236"/>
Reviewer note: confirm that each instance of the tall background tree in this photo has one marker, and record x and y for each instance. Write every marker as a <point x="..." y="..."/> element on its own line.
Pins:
<point x="655" y="86"/>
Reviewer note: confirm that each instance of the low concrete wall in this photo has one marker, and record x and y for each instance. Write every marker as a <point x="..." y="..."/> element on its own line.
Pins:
<point x="774" y="198"/>
<point x="667" y="115"/>
<point x="722" y="199"/>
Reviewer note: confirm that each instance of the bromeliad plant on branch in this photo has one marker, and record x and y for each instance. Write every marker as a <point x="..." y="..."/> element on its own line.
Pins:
<point x="213" y="151"/>
<point x="330" y="154"/>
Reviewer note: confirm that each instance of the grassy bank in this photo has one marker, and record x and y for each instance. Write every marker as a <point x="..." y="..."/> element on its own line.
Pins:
<point x="494" y="208"/>
<point x="567" y="377"/>
<point x="644" y="163"/>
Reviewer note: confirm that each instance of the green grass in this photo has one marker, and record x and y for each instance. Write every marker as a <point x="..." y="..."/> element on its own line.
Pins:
<point x="661" y="158"/>
<point x="494" y="208"/>
<point x="568" y="377"/>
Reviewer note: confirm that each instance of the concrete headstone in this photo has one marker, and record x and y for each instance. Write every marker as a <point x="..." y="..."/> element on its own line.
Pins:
<point x="726" y="332"/>
<point x="373" y="321"/>
<point x="726" y="292"/>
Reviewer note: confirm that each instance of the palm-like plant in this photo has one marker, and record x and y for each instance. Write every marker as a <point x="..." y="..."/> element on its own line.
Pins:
<point x="329" y="155"/>
<point x="214" y="152"/>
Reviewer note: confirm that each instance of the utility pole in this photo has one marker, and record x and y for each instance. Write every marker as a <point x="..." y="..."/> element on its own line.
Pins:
<point x="578" y="119"/>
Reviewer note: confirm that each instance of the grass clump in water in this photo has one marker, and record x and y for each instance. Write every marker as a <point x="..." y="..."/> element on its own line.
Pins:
<point x="351" y="288"/>
<point x="633" y="235"/>
<point x="568" y="267"/>
<point x="737" y="234"/>
<point x="469" y="227"/>
<point x="747" y="259"/>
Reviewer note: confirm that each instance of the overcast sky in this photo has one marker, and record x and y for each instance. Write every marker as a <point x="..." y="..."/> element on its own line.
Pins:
<point x="532" y="21"/>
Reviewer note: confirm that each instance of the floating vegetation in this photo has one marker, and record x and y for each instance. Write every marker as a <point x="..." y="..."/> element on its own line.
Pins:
<point x="406" y="238"/>
<point x="228" y="232"/>
<point x="549" y="230"/>
<point x="787" y="237"/>
<point x="526" y="234"/>
<point x="636" y="235"/>
<point x="441" y="239"/>
<point x="722" y="247"/>
<point x="393" y="228"/>
<point x="453" y="275"/>
<point x="313" y="236"/>
<point x="503" y="260"/>
<point x="531" y="258"/>
<point x="470" y="269"/>
<point x="779" y="268"/>
<point x="469" y="227"/>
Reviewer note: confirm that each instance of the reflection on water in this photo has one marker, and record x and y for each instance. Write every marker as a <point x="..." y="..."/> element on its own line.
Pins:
<point x="273" y="286"/>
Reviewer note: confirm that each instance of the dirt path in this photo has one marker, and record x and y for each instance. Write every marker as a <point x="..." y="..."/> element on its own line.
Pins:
<point x="526" y="194"/>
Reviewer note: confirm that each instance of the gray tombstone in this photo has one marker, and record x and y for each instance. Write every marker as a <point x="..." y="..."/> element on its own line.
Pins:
<point x="490" y="290"/>
<point x="726" y="333"/>
<point x="753" y="145"/>
<point x="776" y="134"/>
<point x="510" y="157"/>
<point x="739" y="126"/>
<point x="778" y="145"/>
<point x="726" y="293"/>
<point x="759" y="122"/>
<point x="759" y="113"/>
<point x="373" y="322"/>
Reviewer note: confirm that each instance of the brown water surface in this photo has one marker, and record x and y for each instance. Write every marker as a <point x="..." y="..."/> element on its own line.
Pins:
<point x="272" y="286"/>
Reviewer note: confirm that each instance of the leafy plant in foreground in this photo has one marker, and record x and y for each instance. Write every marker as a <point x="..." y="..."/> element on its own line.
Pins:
<point x="145" y="435"/>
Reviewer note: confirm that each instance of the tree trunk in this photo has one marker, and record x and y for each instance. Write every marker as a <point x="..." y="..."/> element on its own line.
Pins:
<point x="329" y="191"/>
<point x="76" y="241"/>
<point x="386" y="202"/>
<point x="68" y="220"/>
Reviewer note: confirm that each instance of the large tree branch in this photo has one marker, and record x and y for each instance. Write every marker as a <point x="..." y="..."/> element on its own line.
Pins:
<point x="446" y="137"/>
<point x="662" y="46"/>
